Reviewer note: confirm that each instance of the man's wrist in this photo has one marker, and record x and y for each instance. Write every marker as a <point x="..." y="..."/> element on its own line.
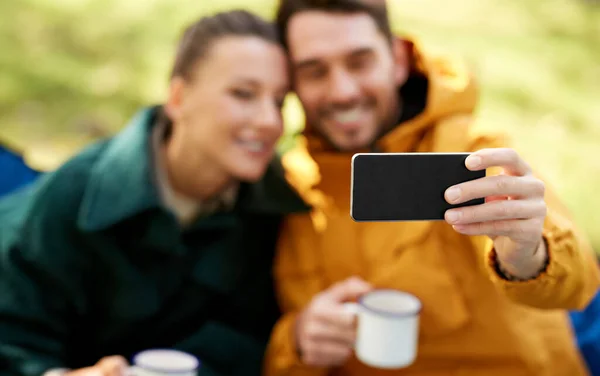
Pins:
<point x="526" y="271"/>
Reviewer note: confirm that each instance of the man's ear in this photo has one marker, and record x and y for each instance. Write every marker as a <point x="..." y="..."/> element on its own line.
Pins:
<point x="400" y="50"/>
<point x="174" y="103"/>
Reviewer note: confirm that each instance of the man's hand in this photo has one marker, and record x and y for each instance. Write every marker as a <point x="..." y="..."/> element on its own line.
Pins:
<point x="512" y="215"/>
<point x="108" y="366"/>
<point x="325" y="330"/>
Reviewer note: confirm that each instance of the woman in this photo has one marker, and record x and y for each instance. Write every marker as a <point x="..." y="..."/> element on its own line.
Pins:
<point x="163" y="235"/>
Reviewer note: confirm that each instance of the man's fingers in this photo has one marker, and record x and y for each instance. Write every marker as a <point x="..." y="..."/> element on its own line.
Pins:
<point x="327" y="330"/>
<point x="517" y="230"/>
<point x="346" y="290"/>
<point x="336" y="316"/>
<point x="328" y="307"/>
<point x="326" y="354"/>
<point x="507" y="158"/>
<point x="497" y="211"/>
<point x="500" y="185"/>
<point x="330" y="331"/>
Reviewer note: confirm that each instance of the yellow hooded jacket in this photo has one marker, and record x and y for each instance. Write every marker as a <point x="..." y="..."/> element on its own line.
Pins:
<point x="473" y="321"/>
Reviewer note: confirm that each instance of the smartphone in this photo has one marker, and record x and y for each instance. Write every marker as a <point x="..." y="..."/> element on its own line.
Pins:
<point x="406" y="186"/>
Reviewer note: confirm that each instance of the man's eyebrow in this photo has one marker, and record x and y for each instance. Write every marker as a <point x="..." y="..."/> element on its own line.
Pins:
<point x="307" y="63"/>
<point x="362" y="51"/>
<point x="310" y="62"/>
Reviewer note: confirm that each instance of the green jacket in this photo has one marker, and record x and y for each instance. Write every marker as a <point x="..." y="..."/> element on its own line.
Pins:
<point x="91" y="264"/>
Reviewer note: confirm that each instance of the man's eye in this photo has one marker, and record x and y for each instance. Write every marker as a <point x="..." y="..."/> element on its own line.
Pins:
<point x="314" y="73"/>
<point x="359" y="62"/>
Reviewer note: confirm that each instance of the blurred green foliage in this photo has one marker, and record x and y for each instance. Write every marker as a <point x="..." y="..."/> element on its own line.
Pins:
<point x="73" y="70"/>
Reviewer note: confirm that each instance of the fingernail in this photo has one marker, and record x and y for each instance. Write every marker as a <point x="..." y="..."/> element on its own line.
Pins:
<point x="453" y="194"/>
<point x="453" y="216"/>
<point x="458" y="228"/>
<point x="473" y="161"/>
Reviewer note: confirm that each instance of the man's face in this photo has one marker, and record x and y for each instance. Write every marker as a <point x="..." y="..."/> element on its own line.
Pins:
<point x="346" y="75"/>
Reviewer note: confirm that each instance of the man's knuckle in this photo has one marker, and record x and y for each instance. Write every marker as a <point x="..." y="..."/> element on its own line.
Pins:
<point x="512" y="154"/>
<point x="311" y="331"/>
<point x="319" y="307"/>
<point x="503" y="210"/>
<point x="540" y="187"/>
<point x="502" y="183"/>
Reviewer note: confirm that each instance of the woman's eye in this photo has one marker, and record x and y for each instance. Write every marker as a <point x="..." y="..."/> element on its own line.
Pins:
<point x="243" y="94"/>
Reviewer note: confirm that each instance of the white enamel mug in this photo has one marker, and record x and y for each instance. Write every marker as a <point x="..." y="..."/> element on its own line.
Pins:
<point x="164" y="362"/>
<point x="388" y="328"/>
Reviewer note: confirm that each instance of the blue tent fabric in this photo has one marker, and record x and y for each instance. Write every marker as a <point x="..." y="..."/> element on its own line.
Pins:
<point x="14" y="172"/>
<point x="587" y="329"/>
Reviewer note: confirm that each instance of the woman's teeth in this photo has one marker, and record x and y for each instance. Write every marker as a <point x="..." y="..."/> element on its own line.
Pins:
<point x="253" y="146"/>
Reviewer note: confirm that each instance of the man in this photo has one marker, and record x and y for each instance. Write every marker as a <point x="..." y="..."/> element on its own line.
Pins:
<point x="494" y="279"/>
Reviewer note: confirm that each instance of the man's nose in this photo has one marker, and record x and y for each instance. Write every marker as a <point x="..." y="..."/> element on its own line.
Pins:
<point x="343" y="87"/>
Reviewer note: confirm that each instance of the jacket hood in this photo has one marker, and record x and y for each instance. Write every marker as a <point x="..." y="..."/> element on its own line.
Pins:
<point x="314" y="167"/>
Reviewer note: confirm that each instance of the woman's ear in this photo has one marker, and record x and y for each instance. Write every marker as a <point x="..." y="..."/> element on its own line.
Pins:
<point x="400" y="51"/>
<point x="174" y="103"/>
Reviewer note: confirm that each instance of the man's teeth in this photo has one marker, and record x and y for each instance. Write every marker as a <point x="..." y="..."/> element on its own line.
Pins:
<point x="347" y="116"/>
<point x="255" y="146"/>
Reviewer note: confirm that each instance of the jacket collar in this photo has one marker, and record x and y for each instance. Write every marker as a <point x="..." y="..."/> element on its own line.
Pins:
<point x="122" y="181"/>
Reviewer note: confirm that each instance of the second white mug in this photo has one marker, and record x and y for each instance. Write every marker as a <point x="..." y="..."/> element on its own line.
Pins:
<point x="388" y="328"/>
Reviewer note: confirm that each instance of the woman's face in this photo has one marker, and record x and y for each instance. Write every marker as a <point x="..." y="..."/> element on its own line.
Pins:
<point x="227" y="119"/>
